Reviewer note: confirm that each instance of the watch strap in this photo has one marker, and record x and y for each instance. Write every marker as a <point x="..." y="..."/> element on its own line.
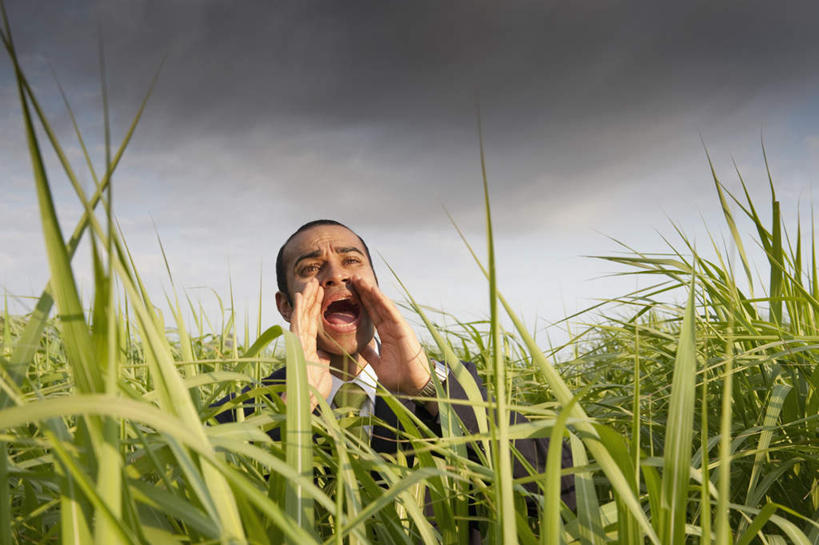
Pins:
<point x="429" y="390"/>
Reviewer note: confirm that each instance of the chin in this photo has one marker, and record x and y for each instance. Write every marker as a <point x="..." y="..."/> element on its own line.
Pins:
<point x="347" y="344"/>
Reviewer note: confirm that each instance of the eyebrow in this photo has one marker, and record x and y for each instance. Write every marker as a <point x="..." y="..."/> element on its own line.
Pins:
<point x="349" y="249"/>
<point x="317" y="253"/>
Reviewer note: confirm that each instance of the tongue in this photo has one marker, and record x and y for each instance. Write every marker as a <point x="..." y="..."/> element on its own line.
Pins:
<point x="340" y="317"/>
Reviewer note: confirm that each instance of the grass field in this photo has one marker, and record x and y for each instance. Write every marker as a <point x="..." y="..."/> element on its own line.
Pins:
<point x="696" y="422"/>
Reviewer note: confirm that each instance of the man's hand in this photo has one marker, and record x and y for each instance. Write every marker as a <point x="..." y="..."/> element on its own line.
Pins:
<point x="304" y="322"/>
<point x="402" y="365"/>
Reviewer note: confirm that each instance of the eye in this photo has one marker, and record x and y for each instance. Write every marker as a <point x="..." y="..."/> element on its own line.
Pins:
<point x="307" y="270"/>
<point x="351" y="260"/>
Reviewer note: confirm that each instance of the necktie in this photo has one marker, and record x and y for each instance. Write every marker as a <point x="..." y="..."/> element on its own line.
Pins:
<point x="349" y="400"/>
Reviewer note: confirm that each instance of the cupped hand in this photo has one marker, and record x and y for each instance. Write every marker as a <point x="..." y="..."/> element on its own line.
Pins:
<point x="402" y="365"/>
<point x="305" y="322"/>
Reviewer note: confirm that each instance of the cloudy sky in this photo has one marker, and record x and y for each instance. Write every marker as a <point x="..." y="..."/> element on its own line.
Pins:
<point x="270" y="114"/>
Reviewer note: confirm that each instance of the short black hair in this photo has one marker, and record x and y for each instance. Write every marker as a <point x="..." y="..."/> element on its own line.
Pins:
<point x="281" y="274"/>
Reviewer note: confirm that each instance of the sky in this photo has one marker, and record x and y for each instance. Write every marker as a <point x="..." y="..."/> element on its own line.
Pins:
<point x="269" y="114"/>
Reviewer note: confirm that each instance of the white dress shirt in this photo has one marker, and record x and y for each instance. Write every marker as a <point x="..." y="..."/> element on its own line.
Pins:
<point x="367" y="380"/>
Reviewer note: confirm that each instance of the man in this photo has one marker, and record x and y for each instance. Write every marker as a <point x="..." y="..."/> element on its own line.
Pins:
<point x="328" y="293"/>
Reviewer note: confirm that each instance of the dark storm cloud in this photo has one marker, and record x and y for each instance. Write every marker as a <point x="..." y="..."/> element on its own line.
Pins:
<point x="567" y="88"/>
<point x="424" y="62"/>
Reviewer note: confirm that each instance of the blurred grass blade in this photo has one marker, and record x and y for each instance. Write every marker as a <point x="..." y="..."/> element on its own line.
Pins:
<point x="270" y="334"/>
<point x="5" y="496"/>
<point x="299" y="436"/>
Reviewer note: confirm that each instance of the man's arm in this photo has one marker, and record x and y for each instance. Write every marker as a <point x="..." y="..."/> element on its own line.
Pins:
<point x="401" y="364"/>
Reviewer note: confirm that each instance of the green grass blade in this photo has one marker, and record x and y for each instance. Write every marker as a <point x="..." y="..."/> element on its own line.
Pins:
<point x="269" y="335"/>
<point x="84" y="483"/>
<point x="756" y="524"/>
<point x="590" y="527"/>
<point x="729" y="219"/>
<point x="503" y="458"/>
<point x="775" y="403"/>
<point x="7" y="343"/>
<point x="705" y="497"/>
<point x="166" y="502"/>
<point x="450" y="422"/>
<point x="679" y="431"/>
<point x="628" y="528"/>
<point x="584" y="428"/>
<point x="299" y="436"/>
<point x="814" y="277"/>
<point x="551" y="496"/>
<point x="5" y="496"/>
<point x="109" y="467"/>
<point x="776" y="261"/>
<point x="29" y="340"/>
<point x="75" y="332"/>
<point x="723" y="529"/>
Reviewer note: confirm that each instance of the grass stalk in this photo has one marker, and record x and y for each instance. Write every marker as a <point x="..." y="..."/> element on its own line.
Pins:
<point x="500" y="422"/>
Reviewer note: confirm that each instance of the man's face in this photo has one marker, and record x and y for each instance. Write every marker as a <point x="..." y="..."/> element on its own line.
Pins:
<point x="332" y="255"/>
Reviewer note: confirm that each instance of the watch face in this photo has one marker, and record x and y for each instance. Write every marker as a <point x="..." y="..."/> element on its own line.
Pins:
<point x="441" y="370"/>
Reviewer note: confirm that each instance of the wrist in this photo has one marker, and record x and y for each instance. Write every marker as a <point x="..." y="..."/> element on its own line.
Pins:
<point x="439" y="374"/>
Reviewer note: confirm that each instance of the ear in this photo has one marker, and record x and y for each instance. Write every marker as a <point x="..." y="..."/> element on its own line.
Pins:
<point x="285" y="309"/>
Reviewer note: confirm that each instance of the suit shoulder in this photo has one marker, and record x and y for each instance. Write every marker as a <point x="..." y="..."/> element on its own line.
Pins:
<point x="279" y="375"/>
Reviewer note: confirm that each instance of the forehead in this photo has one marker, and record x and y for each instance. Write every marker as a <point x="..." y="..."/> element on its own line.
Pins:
<point x="320" y="237"/>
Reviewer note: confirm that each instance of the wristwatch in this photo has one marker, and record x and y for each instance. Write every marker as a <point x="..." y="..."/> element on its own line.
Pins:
<point x="429" y="390"/>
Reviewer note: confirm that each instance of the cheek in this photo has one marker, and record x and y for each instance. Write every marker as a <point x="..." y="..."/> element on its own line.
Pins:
<point x="296" y="285"/>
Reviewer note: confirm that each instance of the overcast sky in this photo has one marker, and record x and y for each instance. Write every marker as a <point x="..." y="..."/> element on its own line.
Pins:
<point x="269" y="114"/>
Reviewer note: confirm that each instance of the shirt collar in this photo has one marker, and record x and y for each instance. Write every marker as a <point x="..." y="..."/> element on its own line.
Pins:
<point x="365" y="378"/>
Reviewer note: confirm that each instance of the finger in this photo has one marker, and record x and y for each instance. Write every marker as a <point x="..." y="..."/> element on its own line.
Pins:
<point x="378" y="305"/>
<point x="309" y="294"/>
<point x="307" y="308"/>
<point x="306" y="301"/>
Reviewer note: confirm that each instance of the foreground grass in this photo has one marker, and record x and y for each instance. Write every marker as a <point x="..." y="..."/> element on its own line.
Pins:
<point x="691" y="423"/>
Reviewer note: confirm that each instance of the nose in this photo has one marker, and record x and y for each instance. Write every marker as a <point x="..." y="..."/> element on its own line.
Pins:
<point x="334" y="275"/>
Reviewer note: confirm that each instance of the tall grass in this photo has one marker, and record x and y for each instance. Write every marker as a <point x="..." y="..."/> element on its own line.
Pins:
<point x="688" y="423"/>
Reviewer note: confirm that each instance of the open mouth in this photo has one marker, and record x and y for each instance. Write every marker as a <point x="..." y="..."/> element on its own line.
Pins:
<point x="342" y="313"/>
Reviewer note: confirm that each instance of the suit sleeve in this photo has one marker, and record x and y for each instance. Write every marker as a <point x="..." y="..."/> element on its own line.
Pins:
<point x="277" y="377"/>
<point x="533" y="450"/>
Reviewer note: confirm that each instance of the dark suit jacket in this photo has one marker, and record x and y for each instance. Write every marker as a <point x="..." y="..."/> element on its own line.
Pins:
<point x="384" y="440"/>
